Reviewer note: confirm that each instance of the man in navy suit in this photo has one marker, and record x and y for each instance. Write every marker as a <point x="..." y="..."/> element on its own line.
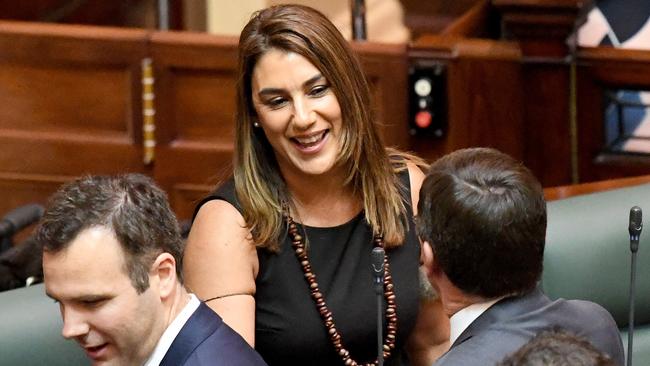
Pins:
<point x="482" y="220"/>
<point x="112" y="260"/>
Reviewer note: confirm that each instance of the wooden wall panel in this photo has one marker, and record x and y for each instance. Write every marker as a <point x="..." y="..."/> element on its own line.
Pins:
<point x="97" y="12"/>
<point x="71" y="105"/>
<point x="483" y="95"/>
<point x="26" y="189"/>
<point x="206" y="119"/>
<point x="486" y="108"/>
<point x="195" y="104"/>
<point x="548" y="126"/>
<point x="389" y="89"/>
<point x="184" y="197"/>
<point x="427" y="17"/>
<point x="51" y="94"/>
<point x="541" y="29"/>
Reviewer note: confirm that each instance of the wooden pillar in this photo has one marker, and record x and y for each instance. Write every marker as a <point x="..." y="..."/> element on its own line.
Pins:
<point x="542" y="27"/>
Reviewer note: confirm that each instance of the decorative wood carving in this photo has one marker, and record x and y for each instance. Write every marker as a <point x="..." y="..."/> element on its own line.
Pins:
<point x="541" y="28"/>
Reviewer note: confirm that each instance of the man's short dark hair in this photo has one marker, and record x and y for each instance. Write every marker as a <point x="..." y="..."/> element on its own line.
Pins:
<point x="484" y="215"/>
<point x="557" y="348"/>
<point x="131" y="206"/>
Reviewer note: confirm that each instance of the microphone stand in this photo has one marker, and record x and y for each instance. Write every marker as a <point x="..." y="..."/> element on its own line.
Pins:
<point x="635" y="227"/>
<point x="630" y="332"/>
<point x="377" y="257"/>
<point x="380" y="336"/>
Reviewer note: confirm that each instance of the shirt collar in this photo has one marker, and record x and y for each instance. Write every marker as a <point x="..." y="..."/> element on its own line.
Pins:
<point x="172" y="331"/>
<point x="466" y="316"/>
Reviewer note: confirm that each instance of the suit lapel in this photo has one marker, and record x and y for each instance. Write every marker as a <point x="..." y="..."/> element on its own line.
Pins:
<point x="199" y="326"/>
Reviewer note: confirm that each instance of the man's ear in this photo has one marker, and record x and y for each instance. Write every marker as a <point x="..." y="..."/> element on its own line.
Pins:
<point x="426" y="257"/>
<point x="431" y="266"/>
<point x="163" y="272"/>
<point x="428" y="260"/>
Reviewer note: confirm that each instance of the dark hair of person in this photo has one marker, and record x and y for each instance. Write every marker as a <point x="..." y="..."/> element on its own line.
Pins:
<point x="484" y="215"/>
<point x="131" y="206"/>
<point x="259" y="185"/>
<point x="557" y="348"/>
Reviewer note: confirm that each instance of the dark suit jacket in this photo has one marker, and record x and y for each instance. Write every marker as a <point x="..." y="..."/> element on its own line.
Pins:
<point x="511" y="322"/>
<point x="206" y="340"/>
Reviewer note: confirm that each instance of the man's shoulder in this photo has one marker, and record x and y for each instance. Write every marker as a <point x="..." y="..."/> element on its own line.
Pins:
<point x="596" y="324"/>
<point x="583" y="307"/>
<point x="507" y="326"/>
<point x="484" y="348"/>
<point x="225" y="347"/>
<point x="210" y="341"/>
<point x="537" y="310"/>
<point x="586" y="317"/>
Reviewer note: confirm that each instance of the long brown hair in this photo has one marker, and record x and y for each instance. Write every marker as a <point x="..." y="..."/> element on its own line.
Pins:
<point x="260" y="187"/>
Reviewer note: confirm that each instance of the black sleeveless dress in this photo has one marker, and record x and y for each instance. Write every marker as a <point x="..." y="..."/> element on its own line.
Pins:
<point x="288" y="327"/>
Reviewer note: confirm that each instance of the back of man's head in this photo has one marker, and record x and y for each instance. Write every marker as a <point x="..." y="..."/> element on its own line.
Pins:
<point x="484" y="215"/>
<point x="557" y="348"/>
<point x="131" y="206"/>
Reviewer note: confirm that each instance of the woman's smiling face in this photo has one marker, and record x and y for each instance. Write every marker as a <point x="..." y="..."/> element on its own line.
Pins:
<point x="298" y="111"/>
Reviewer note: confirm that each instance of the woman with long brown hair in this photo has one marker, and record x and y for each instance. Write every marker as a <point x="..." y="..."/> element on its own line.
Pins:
<point x="282" y="250"/>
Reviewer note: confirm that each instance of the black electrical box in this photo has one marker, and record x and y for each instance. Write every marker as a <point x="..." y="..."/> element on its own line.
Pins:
<point x="427" y="98"/>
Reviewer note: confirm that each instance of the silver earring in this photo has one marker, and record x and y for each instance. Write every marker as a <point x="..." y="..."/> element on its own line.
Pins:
<point x="256" y="125"/>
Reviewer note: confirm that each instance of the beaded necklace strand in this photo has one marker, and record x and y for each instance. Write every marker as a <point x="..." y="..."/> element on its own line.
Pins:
<point x="391" y="309"/>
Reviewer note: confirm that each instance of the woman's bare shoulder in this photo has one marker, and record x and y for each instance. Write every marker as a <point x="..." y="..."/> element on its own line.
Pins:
<point x="220" y="265"/>
<point x="219" y="246"/>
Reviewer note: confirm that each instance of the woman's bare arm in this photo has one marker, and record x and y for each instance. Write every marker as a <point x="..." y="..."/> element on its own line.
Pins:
<point x="220" y="263"/>
<point x="416" y="177"/>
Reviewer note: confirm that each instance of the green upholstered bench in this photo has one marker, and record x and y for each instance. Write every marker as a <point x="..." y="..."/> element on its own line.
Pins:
<point x="30" y="331"/>
<point x="587" y="257"/>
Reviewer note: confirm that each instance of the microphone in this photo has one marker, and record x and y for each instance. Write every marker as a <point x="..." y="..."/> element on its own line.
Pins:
<point x="634" y="228"/>
<point x="18" y="219"/>
<point x="377" y="258"/>
<point x="636" y="225"/>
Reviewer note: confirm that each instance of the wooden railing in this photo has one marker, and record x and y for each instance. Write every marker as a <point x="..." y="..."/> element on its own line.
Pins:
<point x="556" y="193"/>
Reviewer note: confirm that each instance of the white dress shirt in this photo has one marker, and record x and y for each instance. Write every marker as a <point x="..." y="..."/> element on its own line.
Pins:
<point x="466" y="316"/>
<point x="172" y="331"/>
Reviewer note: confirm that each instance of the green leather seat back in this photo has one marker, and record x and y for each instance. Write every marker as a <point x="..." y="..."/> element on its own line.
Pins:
<point x="30" y="331"/>
<point x="587" y="253"/>
<point x="587" y="256"/>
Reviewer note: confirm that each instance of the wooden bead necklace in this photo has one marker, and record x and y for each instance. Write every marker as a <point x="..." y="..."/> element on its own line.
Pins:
<point x="391" y="309"/>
